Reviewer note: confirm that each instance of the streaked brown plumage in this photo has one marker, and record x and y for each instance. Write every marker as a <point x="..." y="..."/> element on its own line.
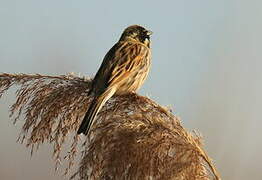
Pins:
<point x="124" y="69"/>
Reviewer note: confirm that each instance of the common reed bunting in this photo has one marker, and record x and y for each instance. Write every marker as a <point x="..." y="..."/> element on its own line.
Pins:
<point x="124" y="69"/>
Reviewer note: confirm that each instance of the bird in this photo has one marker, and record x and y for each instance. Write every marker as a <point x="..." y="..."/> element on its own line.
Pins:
<point x="123" y="70"/>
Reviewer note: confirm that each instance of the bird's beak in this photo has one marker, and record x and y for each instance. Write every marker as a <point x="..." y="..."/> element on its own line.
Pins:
<point x="149" y="32"/>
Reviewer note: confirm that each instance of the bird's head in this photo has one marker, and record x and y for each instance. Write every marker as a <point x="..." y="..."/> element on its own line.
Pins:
<point x="137" y="33"/>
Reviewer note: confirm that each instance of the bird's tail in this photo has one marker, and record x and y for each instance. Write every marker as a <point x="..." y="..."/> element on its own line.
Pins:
<point x="93" y="109"/>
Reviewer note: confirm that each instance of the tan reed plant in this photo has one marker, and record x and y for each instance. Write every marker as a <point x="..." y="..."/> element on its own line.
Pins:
<point x="132" y="138"/>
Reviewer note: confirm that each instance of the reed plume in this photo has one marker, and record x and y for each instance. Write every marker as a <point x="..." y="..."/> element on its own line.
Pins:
<point x="132" y="138"/>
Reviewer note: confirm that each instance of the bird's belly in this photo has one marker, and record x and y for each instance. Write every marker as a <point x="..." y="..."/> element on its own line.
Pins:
<point x="133" y="82"/>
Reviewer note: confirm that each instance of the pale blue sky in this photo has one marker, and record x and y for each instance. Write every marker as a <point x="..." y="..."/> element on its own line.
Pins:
<point x="206" y="65"/>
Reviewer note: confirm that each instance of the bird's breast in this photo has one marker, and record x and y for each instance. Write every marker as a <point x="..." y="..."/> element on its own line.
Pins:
<point x="136" y="77"/>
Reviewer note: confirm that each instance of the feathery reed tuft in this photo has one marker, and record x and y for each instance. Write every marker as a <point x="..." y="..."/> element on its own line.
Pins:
<point x="132" y="137"/>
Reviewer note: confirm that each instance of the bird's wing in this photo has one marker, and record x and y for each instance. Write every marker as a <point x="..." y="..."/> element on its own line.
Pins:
<point x="122" y="72"/>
